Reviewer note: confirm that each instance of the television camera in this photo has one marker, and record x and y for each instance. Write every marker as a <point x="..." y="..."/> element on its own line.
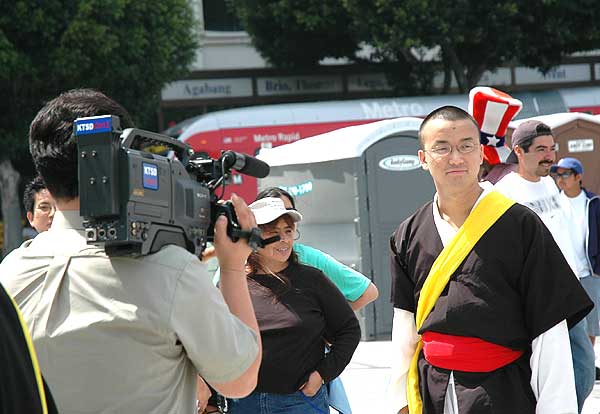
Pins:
<point x="140" y="190"/>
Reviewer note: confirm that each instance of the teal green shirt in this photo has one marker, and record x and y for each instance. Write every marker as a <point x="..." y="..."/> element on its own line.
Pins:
<point x="351" y="283"/>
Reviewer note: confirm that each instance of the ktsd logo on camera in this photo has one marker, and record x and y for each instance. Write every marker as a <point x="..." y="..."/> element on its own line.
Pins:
<point x="150" y="176"/>
<point x="93" y="125"/>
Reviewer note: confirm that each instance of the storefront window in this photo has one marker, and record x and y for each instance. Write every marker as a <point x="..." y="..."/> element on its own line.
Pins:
<point x="219" y="17"/>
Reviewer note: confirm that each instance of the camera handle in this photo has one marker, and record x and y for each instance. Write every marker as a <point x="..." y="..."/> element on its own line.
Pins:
<point x="254" y="237"/>
<point x="235" y="232"/>
<point x="139" y="139"/>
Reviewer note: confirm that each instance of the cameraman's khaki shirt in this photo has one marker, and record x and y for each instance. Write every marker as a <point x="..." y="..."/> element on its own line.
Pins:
<point x="123" y="334"/>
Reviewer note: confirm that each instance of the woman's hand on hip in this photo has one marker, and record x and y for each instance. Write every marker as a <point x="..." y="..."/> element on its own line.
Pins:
<point x="312" y="386"/>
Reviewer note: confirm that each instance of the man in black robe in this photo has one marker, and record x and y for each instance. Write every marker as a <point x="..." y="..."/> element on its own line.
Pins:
<point x="514" y="293"/>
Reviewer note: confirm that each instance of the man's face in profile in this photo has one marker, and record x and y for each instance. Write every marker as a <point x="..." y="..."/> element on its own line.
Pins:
<point x="43" y="211"/>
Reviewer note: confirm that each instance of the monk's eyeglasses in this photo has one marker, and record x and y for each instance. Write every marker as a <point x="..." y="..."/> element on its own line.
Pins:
<point x="443" y="150"/>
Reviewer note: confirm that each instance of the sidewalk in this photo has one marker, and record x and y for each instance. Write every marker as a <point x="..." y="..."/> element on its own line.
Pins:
<point x="367" y="376"/>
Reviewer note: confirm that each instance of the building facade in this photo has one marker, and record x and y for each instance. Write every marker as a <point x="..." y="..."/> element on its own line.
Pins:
<point x="229" y="72"/>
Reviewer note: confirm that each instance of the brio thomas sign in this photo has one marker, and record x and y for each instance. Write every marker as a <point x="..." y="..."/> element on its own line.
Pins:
<point x="400" y="163"/>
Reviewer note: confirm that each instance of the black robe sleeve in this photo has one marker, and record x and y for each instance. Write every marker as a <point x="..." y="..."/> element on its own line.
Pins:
<point x="550" y="289"/>
<point x="403" y="287"/>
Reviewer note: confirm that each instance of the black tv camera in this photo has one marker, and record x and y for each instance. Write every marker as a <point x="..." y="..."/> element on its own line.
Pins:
<point x="140" y="190"/>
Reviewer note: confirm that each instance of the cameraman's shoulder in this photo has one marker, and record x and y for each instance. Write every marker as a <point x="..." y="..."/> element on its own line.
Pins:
<point x="12" y="259"/>
<point x="172" y="258"/>
<point x="20" y="262"/>
<point x="26" y="250"/>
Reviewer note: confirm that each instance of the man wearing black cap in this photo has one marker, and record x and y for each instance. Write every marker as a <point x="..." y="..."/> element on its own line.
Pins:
<point x="534" y="150"/>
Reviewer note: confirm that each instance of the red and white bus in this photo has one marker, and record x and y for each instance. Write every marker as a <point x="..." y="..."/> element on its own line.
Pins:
<point x="249" y="129"/>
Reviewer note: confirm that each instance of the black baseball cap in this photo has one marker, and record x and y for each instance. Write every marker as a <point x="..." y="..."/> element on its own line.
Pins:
<point x="526" y="132"/>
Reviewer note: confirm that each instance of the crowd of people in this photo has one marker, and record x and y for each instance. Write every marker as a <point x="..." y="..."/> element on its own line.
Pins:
<point x="494" y="288"/>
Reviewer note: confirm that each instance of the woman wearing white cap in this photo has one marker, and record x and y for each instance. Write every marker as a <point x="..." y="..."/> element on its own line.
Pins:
<point x="297" y="308"/>
<point x="356" y="288"/>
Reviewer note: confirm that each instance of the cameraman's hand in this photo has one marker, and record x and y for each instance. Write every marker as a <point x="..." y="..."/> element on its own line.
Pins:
<point x="232" y="256"/>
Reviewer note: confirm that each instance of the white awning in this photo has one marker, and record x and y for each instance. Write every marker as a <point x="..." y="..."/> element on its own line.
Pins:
<point x="558" y="120"/>
<point x="349" y="142"/>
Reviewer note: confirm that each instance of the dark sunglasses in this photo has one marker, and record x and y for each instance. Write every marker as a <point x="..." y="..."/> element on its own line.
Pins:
<point x="566" y="174"/>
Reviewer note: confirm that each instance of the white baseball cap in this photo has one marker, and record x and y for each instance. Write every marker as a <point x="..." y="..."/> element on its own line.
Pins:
<point x="269" y="209"/>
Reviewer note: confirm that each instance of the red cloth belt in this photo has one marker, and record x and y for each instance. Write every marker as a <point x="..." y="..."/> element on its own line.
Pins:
<point x="465" y="353"/>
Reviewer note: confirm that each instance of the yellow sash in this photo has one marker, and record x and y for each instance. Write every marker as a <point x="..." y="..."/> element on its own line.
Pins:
<point x="34" y="361"/>
<point x="483" y="216"/>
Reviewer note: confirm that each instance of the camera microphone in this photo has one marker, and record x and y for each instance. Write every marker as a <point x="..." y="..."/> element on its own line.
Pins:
<point x="245" y="164"/>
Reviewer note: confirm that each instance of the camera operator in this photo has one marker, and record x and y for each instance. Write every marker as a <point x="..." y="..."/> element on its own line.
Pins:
<point x="122" y="333"/>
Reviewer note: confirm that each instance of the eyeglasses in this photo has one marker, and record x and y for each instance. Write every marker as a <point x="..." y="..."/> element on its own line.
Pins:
<point x="566" y="174"/>
<point x="445" y="149"/>
<point x="46" y="208"/>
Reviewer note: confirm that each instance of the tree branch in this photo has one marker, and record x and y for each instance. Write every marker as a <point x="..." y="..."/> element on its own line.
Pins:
<point x="11" y="210"/>
<point x="457" y="67"/>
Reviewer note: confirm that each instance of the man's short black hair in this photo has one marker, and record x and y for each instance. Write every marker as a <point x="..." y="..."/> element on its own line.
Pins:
<point x="31" y="189"/>
<point x="51" y="141"/>
<point x="447" y="113"/>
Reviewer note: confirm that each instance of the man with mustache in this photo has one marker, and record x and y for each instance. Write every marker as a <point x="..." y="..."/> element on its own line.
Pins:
<point x="534" y="150"/>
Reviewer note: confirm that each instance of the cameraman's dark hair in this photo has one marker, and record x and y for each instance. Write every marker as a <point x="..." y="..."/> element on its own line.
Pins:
<point x="276" y="192"/>
<point x="31" y="189"/>
<point x="447" y="113"/>
<point x="51" y="141"/>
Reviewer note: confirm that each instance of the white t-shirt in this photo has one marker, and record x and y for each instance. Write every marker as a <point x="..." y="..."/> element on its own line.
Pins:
<point x="579" y="228"/>
<point x="543" y="197"/>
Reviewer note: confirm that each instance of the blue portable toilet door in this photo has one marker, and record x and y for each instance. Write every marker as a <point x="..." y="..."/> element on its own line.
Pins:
<point x="396" y="187"/>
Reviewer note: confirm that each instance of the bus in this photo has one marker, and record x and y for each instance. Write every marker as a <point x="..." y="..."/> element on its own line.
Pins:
<point x="249" y="129"/>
